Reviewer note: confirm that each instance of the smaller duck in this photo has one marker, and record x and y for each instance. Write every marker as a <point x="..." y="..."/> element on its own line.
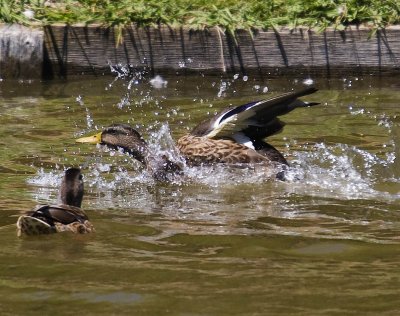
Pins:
<point x="67" y="216"/>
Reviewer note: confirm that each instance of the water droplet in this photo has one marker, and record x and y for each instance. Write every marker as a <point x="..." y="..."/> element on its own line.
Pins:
<point x="308" y="81"/>
<point x="158" y="82"/>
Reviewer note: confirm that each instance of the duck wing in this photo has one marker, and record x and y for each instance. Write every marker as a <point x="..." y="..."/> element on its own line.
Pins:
<point x="254" y="120"/>
<point x="61" y="213"/>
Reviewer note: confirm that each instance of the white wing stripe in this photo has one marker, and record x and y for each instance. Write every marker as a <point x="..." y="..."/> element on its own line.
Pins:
<point x="243" y="139"/>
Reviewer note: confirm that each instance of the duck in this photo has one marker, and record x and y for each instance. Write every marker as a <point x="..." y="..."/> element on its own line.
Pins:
<point x="65" y="217"/>
<point x="235" y="135"/>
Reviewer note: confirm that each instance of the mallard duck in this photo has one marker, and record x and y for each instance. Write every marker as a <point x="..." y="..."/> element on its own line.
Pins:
<point x="67" y="216"/>
<point x="234" y="135"/>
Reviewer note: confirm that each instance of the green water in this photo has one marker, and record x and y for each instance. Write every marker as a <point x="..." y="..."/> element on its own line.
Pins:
<point x="219" y="242"/>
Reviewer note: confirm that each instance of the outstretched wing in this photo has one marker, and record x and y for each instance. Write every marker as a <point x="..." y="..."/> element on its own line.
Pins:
<point x="255" y="120"/>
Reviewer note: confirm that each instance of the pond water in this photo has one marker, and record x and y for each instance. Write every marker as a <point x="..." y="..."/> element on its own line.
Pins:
<point x="221" y="241"/>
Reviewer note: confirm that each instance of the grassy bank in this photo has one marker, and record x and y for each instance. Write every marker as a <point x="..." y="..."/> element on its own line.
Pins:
<point x="200" y="14"/>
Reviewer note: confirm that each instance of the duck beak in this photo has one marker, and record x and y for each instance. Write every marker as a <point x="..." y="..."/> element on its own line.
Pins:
<point x="94" y="139"/>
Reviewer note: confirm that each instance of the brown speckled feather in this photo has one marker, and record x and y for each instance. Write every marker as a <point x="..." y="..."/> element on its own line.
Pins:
<point x="198" y="150"/>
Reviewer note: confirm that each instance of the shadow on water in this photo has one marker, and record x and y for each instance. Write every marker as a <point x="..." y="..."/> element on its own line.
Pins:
<point x="220" y="241"/>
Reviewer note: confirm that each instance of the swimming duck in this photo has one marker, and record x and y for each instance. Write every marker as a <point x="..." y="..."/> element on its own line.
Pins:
<point x="234" y="135"/>
<point x="67" y="216"/>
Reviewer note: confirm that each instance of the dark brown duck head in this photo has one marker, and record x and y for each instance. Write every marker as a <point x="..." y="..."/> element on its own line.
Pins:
<point x="123" y="136"/>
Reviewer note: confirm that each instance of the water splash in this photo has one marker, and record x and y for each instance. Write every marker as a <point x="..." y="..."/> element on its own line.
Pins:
<point x="160" y="139"/>
<point x="158" y="82"/>
<point x="89" y="119"/>
<point x="133" y="79"/>
<point x="308" y="81"/>
<point x="48" y="183"/>
<point x="337" y="171"/>
<point x="221" y="175"/>
<point x="223" y="86"/>
<point x="44" y="178"/>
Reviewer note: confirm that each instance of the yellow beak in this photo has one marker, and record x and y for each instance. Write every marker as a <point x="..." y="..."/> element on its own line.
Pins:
<point x="94" y="139"/>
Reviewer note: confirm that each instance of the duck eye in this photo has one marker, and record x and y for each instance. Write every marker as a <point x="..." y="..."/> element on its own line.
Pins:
<point x="112" y="132"/>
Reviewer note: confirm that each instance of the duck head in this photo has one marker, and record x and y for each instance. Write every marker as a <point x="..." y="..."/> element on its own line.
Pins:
<point x="130" y="141"/>
<point x="120" y="136"/>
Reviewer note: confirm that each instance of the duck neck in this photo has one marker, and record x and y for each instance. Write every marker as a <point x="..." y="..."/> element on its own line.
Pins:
<point x="161" y="168"/>
<point x="139" y="153"/>
<point x="71" y="195"/>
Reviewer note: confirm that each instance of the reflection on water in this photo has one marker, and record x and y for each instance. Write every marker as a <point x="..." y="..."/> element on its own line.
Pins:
<point x="218" y="240"/>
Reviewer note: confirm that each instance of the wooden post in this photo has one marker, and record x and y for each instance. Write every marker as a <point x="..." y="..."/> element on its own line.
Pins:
<point x="21" y="52"/>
